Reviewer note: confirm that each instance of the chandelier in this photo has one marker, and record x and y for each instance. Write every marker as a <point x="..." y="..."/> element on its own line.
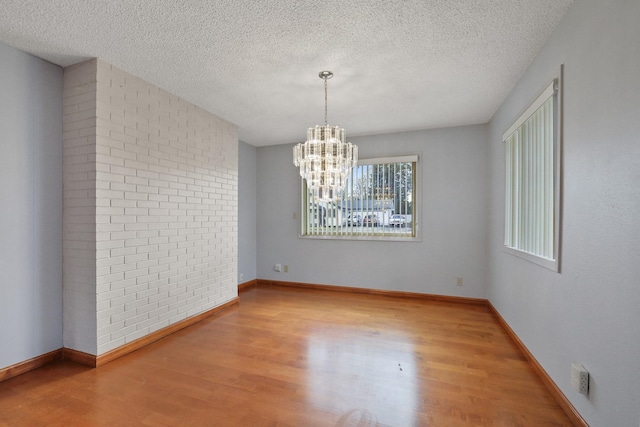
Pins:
<point x="325" y="158"/>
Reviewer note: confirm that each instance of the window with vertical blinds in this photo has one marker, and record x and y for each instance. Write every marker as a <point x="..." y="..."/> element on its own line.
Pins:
<point x="531" y="182"/>
<point x="378" y="202"/>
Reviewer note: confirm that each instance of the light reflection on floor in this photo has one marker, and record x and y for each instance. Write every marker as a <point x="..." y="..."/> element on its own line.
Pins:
<point x="366" y="379"/>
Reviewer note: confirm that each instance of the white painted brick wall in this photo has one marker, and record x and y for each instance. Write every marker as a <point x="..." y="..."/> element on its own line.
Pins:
<point x="164" y="205"/>
<point x="168" y="176"/>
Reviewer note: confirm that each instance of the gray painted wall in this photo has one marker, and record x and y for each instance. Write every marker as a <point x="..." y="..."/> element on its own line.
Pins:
<point x="247" y="212"/>
<point x="589" y="313"/>
<point x="30" y="206"/>
<point x="453" y="220"/>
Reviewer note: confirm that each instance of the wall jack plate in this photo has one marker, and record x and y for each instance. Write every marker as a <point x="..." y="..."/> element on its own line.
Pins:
<point x="579" y="378"/>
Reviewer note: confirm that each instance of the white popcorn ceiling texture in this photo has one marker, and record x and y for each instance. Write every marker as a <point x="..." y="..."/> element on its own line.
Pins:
<point x="398" y="64"/>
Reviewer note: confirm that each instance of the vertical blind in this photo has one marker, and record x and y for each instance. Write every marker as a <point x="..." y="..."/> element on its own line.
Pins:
<point x="378" y="201"/>
<point x="530" y="180"/>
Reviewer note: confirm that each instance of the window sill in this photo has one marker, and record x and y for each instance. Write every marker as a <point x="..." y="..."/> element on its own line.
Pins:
<point x="364" y="238"/>
<point x="549" y="264"/>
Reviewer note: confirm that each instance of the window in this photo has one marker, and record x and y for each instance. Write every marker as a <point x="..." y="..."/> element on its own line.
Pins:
<point x="532" y="182"/>
<point x="378" y="202"/>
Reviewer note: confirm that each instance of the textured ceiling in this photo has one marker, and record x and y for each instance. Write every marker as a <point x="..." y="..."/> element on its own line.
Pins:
<point x="398" y="64"/>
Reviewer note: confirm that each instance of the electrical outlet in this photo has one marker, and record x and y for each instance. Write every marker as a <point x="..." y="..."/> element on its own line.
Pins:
<point x="241" y="277"/>
<point x="286" y="268"/>
<point x="579" y="378"/>
<point x="459" y="281"/>
<point x="278" y="267"/>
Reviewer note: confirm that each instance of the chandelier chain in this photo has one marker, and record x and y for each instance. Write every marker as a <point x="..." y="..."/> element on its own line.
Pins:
<point x="325" y="102"/>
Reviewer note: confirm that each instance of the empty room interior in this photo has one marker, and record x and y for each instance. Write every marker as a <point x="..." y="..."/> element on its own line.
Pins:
<point x="174" y="252"/>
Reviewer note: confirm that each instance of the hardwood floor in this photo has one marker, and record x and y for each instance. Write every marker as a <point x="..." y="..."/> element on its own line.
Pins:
<point x="299" y="357"/>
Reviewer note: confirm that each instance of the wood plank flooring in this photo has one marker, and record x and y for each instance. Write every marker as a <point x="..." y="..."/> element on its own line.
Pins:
<point x="299" y="357"/>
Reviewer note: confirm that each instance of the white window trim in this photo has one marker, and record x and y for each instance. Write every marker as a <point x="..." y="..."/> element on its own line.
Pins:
<point x="555" y="88"/>
<point x="388" y="238"/>
<point x="541" y="99"/>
